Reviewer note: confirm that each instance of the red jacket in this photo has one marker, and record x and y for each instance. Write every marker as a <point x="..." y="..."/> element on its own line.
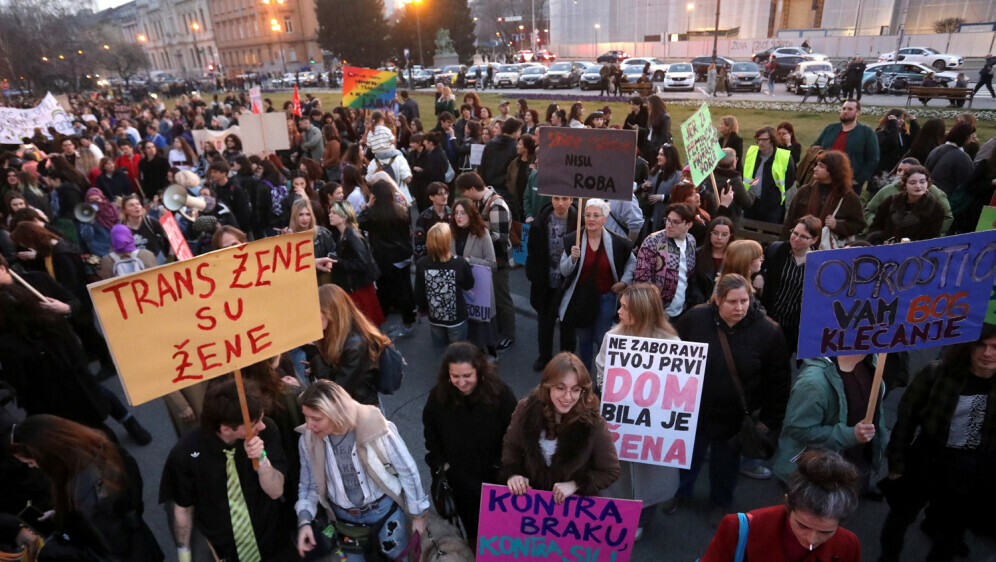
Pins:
<point x="131" y="166"/>
<point x="764" y="540"/>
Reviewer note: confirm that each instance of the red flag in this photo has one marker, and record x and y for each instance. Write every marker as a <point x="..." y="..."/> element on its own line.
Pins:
<point x="296" y="100"/>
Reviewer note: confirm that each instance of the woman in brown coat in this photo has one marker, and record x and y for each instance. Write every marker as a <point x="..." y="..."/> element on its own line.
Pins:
<point x="557" y="440"/>
<point x="830" y="198"/>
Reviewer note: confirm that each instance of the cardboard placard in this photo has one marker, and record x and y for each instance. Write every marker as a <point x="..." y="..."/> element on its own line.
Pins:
<point x="367" y="88"/>
<point x="184" y="322"/>
<point x="175" y="237"/>
<point x="533" y="527"/>
<point x="651" y="398"/>
<point x="587" y="162"/>
<point x="263" y="132"/>
<point x="701" y="146"/>
<point x="479" y="298"/>
<point x="214" y="138"/>
<point x="256" y="100"/>
<point x="896" y="297"/>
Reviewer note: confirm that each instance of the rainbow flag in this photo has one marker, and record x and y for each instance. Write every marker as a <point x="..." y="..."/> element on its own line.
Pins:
<point x="366" y="88"/>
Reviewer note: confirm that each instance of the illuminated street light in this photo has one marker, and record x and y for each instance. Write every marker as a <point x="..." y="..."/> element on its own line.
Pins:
<point x="107" y="47"/>
<point x="142" y="38"/>
<point x="45" y="59"/>
<point x="195" y="26"/>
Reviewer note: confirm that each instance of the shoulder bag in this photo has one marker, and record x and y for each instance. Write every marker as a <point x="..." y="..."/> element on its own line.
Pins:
<point x="754" y="440"/>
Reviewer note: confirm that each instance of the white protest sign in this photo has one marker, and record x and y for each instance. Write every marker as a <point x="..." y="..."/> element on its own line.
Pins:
<point x="651" y="398"/>
<point x="476" y="152"/>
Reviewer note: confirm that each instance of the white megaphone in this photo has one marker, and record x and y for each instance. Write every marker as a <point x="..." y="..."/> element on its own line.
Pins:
<point x="177" y="197"/>
<point x="84" y="212"/>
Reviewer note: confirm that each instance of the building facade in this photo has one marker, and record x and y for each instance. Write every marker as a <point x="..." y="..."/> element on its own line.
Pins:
<point x="178" y="36"/>
<point x="266" y="36"/>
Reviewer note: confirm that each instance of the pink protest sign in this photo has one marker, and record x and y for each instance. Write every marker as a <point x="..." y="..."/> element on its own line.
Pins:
<point x="651" y="398"/>
<point x="533" y="527"/>
<point x="175" y="236"/>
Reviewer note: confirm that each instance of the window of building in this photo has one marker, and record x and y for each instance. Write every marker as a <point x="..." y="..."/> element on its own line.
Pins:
<point x="293" y="54"/>
<point x="288" y="25"/>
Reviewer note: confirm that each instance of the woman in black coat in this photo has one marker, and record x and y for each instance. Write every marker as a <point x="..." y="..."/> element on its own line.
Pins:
<point x="912" y="213"/>
<point x="464" y="421"/>
<point x="390" y="234"/>
<point x="895" y="135"/>
<point x="762" y="365"/>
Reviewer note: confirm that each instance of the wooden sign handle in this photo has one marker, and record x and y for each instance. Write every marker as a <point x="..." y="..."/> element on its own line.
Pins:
<point x="876" y="385"/>
<point x="715" y="188"/>
<point x="20" y="280"/>
<point x="577" y="235"/>
<point x="245" y="411"/>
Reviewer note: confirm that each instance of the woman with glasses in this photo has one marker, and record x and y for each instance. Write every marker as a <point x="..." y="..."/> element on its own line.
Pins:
<point x="783" y="271"/>
<point x="557" y="440"/>
<point x="593" y="271"/>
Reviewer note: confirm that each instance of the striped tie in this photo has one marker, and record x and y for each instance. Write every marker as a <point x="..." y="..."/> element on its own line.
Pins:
<point x="245" y="540"/>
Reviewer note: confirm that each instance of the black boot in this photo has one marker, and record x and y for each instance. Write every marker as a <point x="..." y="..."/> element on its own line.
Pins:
<point x="137" y="432"/>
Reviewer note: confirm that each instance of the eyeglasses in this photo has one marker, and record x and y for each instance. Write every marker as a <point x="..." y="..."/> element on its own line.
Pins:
<point x="675" y="221"/>
<point x="593" y="216"/>
<point x="795" y="234"/>
<point x="575" y="392"/>
<point x="763" y="139"/>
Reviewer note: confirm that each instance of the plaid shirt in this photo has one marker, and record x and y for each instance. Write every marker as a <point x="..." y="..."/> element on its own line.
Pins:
<point x="928" y="406"/>
<point x="499" y="220"/>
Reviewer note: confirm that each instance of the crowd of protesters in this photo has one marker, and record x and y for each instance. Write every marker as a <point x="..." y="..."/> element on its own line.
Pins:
<point x="387" y="197"/>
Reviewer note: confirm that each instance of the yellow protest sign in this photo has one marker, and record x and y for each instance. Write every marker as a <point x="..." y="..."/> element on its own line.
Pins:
<point x="181" y="323"/>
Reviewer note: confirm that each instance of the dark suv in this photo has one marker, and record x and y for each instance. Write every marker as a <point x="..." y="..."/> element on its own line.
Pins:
<point x="785" y="66"/>
<point x="701" y="66"/>
<point x="613" y="56"/>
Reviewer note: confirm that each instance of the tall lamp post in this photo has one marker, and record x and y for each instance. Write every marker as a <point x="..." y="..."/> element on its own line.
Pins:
<point x="521" y="29"/>
<point x="688" y="30"/>
<point x="194" y="28"/>
<point x="597" y="27"/>
<point x="275" y="26"/>
<point x="418" y="29"/>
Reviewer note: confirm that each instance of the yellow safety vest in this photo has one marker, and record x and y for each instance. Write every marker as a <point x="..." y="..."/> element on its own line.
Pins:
<point x="778" y="168"/>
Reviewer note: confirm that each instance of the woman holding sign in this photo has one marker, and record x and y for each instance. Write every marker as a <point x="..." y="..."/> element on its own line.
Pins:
<point x="641" y="315"/>
<point x="465" y="419"/>
<point x="557" y="440"/>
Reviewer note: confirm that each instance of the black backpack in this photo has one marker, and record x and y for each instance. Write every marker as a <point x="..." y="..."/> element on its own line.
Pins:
<point x="390" y="370"/>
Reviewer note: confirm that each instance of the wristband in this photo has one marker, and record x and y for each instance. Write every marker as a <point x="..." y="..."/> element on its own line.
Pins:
<point x="303" y="523"/>
<point x="263" y="456"/>
<point x="183" y="554"/>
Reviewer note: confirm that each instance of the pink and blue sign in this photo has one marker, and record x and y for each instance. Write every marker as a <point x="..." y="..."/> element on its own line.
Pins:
<point x="534" y="527"/>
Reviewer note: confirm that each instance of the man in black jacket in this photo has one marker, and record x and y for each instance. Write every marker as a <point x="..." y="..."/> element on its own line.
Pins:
<point x="853" y="75"/>
<point x="498" y="154"/>
<point x="409" y="108"/>
<point x="545" y="245"/>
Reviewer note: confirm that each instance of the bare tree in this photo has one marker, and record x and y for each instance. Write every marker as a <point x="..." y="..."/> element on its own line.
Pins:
<point x="949" y="26"/>
<point x="127" y="59"/>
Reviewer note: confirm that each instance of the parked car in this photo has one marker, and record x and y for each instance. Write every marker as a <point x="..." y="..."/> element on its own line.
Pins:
<point x="806" y="74"/>
<point x="925" y="56"/>
<point x="657" y="68"/>
<point x="525" y="55"/>
<point x="632" y="73"/>
<point x="701" y="65"/>
<point x="507" y="76"/>
<point x="613" y="56"/>
<point x="447" y="75"/>
<point x="911" y="73"/>
<point x="680" y="76"/>
<point x="472" y="72"/>
<point x="544" y="55"/>
<point x="591" y="78"/>
<point x="532" y="77"/>
<point x="805" y="52"/>
<point x="565" y="74"/>
<point x="785" y="65"/>
<point x="745" y="76"/>
<point x="422" y="78"/>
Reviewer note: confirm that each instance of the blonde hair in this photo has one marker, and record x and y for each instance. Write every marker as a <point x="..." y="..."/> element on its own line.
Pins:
<point x="296" y="208"/>
<point x="437" y="241"/>
<point x="345" y="210"/>
<point x="739" y="255"/>
<point x="731" y="123"/>
<point x="333" y="402"/>
<point x="345" y="318"/>
<point x="646" y="311"/>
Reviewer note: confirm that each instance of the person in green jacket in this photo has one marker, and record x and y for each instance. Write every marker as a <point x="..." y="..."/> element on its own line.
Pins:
<point x="445" y="100"/>
<point x="893" y="188"/>
<point x="860" y="142"/>
<point x="825" y="411"/>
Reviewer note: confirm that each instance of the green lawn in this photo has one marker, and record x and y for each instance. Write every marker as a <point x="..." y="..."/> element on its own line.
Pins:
<point x="807" y="122"/>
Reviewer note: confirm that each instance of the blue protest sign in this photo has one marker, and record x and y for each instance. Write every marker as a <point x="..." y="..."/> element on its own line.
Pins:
<point x="901" y="296"/>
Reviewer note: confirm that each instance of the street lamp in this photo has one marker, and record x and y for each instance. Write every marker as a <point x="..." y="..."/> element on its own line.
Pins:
<point x="688" y="30"/>
<point x="142" y="38"/>
<point x="521" y="29"/>
<point x="418" y="28"/>
<point x="275" y="26"/>
<point x="597" y="27"/>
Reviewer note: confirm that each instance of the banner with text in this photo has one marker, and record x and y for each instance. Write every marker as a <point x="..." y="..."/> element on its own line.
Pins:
<point x="479" y="298"/>
<point x="533" y="527"/>
<point x="587" y="162"/>
<point x="184" y="322"/>
<point x="366" y="88"/>
<point x="651" y="398"/>
<point x="18" y="124"/>
<point x="701" y="146"/>
<point x="900" y="296"/>
<point x="256" y="100"/>
<point x="215" y="139"/>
